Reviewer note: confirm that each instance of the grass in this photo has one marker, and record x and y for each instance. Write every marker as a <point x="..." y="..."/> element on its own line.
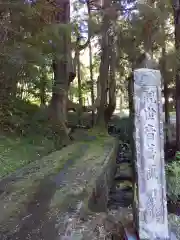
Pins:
<point x="16" y="152"/>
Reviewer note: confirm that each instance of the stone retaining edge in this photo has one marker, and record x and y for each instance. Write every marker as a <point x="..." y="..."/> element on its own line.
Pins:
<point x="97" y="200"/>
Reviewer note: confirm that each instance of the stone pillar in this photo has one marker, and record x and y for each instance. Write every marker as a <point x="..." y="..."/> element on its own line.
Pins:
<point x="149" y="144"/>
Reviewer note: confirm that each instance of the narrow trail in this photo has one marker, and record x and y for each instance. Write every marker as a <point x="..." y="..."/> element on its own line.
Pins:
<point x="36" y="224"/>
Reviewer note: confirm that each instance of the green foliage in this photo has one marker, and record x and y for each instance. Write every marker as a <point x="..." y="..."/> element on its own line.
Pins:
<point x="30" y="42"/>
<point x="30" y="121"/>
<point x="123" y="128"/>
<point x="21" y="115"/>
<point x="15" y="152"/>
<point x="177" y="156"/>
<point x="173" y="180"/>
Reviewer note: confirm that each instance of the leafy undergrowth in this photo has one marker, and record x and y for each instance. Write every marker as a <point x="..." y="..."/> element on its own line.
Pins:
<point x="174" y="223"/>
<point x="15" y="152"/>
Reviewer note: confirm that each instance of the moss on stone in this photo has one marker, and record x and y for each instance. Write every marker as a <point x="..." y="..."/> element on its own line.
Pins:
<point x="91" y="161"/>
<point x="87" y="159"/>
<point x="18" y="194"/>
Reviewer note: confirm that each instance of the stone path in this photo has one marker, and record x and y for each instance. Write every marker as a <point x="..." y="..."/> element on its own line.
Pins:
<point x="36" y="201"/>
<point x="121" y="195"/>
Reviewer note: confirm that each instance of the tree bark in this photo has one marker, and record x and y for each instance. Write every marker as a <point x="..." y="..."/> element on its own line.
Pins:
<point x="43" y="88"/>
<point x="166" y="94"/>
<point x="79" y="87"/>
<point x="130" y="96"/>
<point x="58" y="104"/>
<point x="90" y="64"/>
<point x="104" y="67"/>
<point x="176" y="7"/>
<point x="112" y="82"/>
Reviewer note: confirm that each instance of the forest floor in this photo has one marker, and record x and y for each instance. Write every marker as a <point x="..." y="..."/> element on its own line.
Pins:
<point x="16" y="152"/>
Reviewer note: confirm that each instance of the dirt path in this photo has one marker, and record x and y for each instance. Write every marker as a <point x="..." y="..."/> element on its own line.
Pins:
<point x="35" y="201"/>
<point x="34" y="224"/>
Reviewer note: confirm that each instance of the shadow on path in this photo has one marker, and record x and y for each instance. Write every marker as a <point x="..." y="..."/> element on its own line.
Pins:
<point x="37" y="223"/>
<point x="34" y="224"/>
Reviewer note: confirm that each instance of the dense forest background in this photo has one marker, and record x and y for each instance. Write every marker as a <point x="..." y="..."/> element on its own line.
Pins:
<point x="68" y="64"/>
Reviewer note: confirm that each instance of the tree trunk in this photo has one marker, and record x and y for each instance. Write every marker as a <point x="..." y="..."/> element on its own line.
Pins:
<point x="148" y="43"/>
<point x="79" y="88"/>
<point x="58" y="104"/>
<point x="43" y="88"/>
<point x="5" y="95"/>
<point x="166" y="96"/>
<point x="130" y="96"/>
<point x="8" y="79"/>
<point x="176" y="8"/>
<point x="91" y="65"/>
<point x="104" y="67"/>
<point x="112" y="82"/>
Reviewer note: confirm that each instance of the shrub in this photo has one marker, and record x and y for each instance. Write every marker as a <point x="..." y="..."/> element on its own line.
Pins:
<point x="177" y="156"/>
<point x="173" y="180"/>
<point x="122" y="128"/>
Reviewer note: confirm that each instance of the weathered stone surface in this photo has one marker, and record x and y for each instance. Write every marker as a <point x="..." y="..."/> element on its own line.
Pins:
<point x="99" y="226"/>
<point x="121" y="198"/>
<point x="124" y="172"/>
<point x="149" y="141"/>
<point x="50" y="198"/>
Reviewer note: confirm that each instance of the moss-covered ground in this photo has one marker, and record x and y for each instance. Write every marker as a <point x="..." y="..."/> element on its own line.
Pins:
<point x="16" y="152"/>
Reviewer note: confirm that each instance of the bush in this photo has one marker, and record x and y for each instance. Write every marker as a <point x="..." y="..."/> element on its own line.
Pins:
<point x="173" y="180"/>
<point x="122" y="127"/>
<point x="177" y="156"/>
<point x="19" y="117"/>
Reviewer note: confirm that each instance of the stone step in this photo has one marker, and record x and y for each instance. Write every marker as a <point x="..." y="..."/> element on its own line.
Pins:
<point x="122" y="160"/>
<point x="124" y="166"/>
<point x="120" y="194"/>
<point x="120" y="185"/>
<point x="116" y="205"/>
<point x="120" y="178"/>
<point x="124" y="184"/>
<point x="125" y="189"/>
<point x="123" y="173"/>
<point x="121" y="199"/>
